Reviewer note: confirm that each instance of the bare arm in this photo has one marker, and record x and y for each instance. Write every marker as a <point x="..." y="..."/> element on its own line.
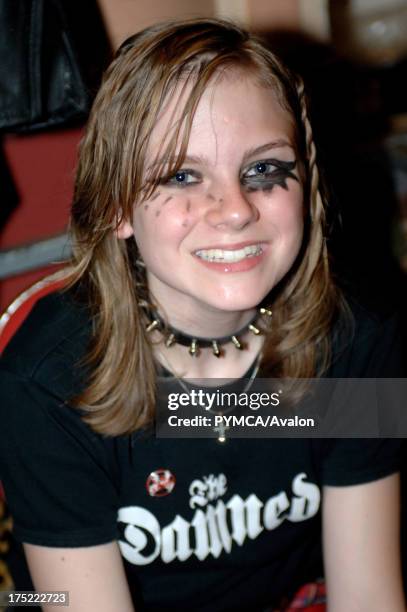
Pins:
<point x="94" y="576"/>
<point x="361" y="547"/>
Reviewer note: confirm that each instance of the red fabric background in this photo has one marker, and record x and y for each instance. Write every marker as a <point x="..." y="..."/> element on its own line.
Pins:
<point x="42" y="167"/>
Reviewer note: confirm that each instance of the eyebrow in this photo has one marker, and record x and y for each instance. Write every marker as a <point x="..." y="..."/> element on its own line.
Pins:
<point x="199" y="159"/>
<point x="275" y="144"/>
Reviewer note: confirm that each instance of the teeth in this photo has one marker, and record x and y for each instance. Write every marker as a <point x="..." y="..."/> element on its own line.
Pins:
<point x="230" y="256"/>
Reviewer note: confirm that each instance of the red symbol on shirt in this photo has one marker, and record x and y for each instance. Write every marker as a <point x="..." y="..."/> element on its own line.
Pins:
<point x="160" y="483"/>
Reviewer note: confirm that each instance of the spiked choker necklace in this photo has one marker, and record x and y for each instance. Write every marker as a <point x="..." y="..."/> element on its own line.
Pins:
<point x="195" y="343"/>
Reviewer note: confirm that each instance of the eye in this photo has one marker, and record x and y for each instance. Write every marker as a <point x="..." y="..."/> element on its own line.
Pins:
<point x="259" y="168"/>
<point x="183" y="178"/>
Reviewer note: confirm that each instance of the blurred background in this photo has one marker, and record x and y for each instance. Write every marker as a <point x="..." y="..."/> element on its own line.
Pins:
<point x="352" y="55"/>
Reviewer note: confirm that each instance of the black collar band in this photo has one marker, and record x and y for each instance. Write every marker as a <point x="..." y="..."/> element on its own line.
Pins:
<point x="195" y="343"/>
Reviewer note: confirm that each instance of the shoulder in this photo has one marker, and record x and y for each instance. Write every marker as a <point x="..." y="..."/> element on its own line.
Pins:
<point x="366" y="343"/>
<point x="49" y="345"/>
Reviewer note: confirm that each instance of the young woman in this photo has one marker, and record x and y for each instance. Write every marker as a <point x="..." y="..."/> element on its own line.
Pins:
<point x="197" y="203"/>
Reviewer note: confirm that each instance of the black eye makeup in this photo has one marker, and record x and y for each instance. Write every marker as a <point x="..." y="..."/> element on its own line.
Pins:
<point x="260" y="175"/>
<point x="267" y="173"/>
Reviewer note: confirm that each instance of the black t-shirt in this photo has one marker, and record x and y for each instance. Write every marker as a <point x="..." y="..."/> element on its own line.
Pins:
<point x="201" y="525"/>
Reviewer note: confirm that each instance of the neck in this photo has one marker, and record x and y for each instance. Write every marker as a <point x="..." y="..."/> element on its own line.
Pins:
<point x="232" y="364"/>
<point x="211" y="325"/>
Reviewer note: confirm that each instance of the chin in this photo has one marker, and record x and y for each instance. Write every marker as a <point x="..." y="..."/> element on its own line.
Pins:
<point x="238" y="303"/>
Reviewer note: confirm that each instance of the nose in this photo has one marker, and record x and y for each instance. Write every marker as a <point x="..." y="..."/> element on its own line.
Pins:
<point x="231" y="210"/>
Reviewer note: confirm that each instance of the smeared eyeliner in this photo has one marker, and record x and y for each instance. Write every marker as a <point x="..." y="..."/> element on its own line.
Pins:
<point x="278" y="176"/>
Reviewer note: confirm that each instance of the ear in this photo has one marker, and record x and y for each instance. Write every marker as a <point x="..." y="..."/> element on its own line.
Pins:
<point x="124" y="229"/>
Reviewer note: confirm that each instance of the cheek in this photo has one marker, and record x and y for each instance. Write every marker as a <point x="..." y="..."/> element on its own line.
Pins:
<point x="292" y="226"/>
<point x="292" y="216"/>
<point x="283" y="210"/>
<point x="164" y="221"/>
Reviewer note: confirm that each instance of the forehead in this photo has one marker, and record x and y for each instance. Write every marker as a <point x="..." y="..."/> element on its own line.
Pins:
<point x="234" y="111"/>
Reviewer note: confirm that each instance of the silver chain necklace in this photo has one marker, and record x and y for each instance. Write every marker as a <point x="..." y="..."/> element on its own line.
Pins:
<point x="222" y="429"/>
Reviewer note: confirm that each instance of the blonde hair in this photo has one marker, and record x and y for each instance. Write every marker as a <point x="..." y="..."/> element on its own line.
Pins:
<point x="121" y="391"/>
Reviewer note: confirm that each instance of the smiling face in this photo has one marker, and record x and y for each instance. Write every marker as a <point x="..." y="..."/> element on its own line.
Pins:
<point x="222" y="232"/>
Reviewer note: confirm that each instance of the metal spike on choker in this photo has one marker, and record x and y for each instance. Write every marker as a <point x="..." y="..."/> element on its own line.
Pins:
<point x="195" y="343"/>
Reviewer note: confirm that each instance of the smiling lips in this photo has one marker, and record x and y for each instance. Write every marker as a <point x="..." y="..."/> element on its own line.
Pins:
<point x="241" y="259"/>
<point x="229" y="256"/>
